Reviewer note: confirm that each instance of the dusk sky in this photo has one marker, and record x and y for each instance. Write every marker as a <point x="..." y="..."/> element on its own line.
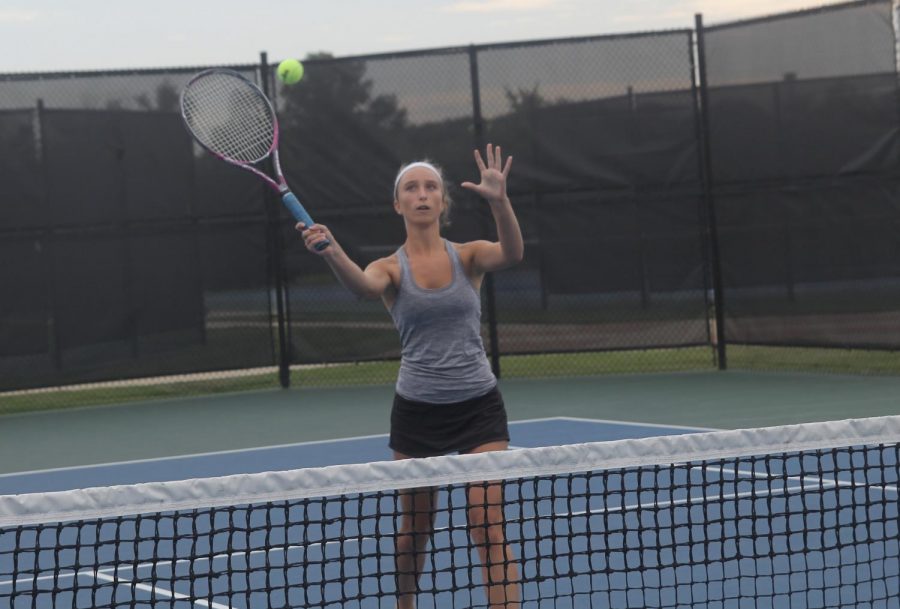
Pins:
<point x="61" y="35"/>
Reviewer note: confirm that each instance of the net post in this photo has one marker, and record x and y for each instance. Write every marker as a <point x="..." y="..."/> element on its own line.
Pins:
<point x="717" y="331"/>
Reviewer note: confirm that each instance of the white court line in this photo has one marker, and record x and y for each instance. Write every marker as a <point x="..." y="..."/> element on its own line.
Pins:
<point x="159" y="591"/>
<point x="214" y="453"/>
<point x="675" y="502"/>
<point x="817" y="483"/>
<point x="237" y="451"/>
<point x="211" y="558"/>
<point x="110" y="574"/>
<point x="639" y="424"/>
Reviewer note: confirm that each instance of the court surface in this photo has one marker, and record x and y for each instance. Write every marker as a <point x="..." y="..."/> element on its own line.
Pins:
<point x="543" y="413"/>
<point x="363" y="449"/>
<point x="574" y="536"/>
<point x="276" y="417"/>
<point x="313" y="554"/>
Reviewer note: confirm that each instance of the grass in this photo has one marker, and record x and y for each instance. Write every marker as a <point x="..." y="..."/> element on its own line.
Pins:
<point x="807" y="359"/>
<point x="99" y="394"/>
<point x="521" y="366"/>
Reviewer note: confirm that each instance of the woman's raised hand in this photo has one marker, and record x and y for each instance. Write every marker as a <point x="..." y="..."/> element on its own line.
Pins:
<point x="493" y="175"/>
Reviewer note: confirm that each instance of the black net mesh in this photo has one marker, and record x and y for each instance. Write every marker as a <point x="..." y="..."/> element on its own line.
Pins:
<point x="796" y="528"/>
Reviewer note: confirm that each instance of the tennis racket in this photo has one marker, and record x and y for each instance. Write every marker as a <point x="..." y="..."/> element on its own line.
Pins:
<point x="234" y="120"/>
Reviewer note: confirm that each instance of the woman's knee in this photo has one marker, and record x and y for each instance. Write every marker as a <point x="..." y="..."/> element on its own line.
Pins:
<point x="486" y="523"/>
<point x="415" y="534"/>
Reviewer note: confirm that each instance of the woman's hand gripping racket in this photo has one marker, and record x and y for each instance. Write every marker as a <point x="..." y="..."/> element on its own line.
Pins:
<point x="234" y="120"/>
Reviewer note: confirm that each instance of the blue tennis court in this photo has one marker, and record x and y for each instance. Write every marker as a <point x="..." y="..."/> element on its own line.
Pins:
<point x="794" y="529"/>
<point x="539" y="432"/>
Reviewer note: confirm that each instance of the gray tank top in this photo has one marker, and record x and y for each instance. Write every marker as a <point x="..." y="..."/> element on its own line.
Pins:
<point x="442" y="354"/>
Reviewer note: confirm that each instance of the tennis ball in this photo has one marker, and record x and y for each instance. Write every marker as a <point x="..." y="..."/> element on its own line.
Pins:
<point x="290" y="71"/>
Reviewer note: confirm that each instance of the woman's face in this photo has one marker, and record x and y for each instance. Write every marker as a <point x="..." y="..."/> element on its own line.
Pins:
<point x="420" y="195"/>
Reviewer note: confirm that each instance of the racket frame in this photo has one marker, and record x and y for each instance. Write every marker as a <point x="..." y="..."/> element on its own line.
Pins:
<point x="279" y="184"/>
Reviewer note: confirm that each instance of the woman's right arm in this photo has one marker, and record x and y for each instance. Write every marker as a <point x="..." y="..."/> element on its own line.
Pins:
<point x="370" y="283"/>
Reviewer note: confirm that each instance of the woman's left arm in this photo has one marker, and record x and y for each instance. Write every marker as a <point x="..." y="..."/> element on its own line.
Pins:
<point x="489" y="256"/>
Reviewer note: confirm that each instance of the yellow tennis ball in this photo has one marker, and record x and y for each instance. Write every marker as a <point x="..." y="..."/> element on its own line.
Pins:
<point x="290" y="71"/>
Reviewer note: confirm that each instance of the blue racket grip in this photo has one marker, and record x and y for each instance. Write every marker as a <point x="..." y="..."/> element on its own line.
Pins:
<point x="301" y="215"/>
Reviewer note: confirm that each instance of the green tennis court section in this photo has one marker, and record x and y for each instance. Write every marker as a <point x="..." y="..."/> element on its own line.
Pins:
<point x="266" y="417"/>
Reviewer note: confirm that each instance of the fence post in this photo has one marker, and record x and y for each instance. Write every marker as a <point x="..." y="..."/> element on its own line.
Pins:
<point x="47" y="241"/>
<point x="276" y="253"/>
<point x="490" y="292"/>
<point x="706" y="177"/>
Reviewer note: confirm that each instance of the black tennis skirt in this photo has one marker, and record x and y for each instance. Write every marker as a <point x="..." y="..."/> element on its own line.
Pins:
<point x="420" y="429"/>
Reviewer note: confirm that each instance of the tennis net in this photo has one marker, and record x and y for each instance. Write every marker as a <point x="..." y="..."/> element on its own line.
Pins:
<point x="794" y="516"/>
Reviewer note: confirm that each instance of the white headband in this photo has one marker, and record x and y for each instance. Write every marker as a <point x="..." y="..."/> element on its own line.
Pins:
<point x="413" y="166"/>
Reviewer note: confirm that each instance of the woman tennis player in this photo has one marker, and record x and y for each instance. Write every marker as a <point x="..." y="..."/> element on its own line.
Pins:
<point x="446" y="398"/>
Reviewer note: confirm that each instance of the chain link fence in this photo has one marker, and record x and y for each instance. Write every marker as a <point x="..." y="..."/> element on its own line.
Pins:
<point x="803" y="109"/>
<point x="131" y="254"/>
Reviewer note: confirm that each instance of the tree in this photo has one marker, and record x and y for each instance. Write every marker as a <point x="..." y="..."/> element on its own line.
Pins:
<point x="339" y="88"/>
<point x="525" y="101"/>
<point x="338" y="138"/>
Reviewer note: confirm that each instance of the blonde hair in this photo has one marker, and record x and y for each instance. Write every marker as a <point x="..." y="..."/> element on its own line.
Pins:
<point x="445" y="196"/>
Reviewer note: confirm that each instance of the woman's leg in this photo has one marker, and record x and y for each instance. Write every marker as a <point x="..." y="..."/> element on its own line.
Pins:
<point x="486" y="529"/>
<point x="416" y="528"/>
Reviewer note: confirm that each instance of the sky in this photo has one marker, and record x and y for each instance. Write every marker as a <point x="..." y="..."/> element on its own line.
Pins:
<point x="70" y="35"/>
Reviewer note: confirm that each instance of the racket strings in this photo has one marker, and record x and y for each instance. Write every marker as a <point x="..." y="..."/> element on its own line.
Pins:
<point x="230" y="117"/>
